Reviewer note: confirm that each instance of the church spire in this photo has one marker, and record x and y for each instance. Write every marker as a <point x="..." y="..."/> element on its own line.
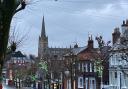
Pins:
<point x="43" y="34"/>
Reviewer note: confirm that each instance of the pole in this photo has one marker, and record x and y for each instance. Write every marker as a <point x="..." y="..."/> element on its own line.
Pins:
<point x="120" y="81"/>
<point x="71" y="75"/>
<point x="101" y="82"/>
<point x="101" y="77"/>
<point x="72" y="85"/>
<point x="84" y="80"/>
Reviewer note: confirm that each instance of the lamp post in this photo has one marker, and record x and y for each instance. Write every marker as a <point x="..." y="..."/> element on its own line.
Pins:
<point x="71" y="64"/>
<point x="49" y="81"/>
<point x="84" y="80"/>
<point x="67" y="75"/>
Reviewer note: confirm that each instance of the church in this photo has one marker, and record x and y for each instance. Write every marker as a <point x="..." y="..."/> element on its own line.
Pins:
<point x="69" y="68"/>
<point x="54" y="57"/>
<point x="45" y="50"/>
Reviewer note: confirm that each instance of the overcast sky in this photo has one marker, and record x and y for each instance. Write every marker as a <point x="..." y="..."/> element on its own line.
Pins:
<point x="68" y="21"/>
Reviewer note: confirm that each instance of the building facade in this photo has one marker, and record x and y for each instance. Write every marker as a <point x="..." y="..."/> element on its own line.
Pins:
<point x="87" y="74"/>
<point x="118" y="61"/>
<point x="84" y="72"/>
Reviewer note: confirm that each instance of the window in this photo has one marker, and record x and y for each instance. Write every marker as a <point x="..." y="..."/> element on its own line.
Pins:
<point x="93" y="84"/>
<point x="115" y="74"/>
<point x="23" y="61"/>
<point x="86" y="67"/>
<point x="94" y="68"/>
<point x="116" y="57"/>
<point x="86" y="83"/>
<point x="80" y="82"/>
<point x="82" y="67"/>
<point x="111" y="60"/>
<point x="90" y="67"/>
<point x="14" y="61"/>
<point x="79" y="66"/>
<point x="19" y="58"/>
<point x="55" y="56"/>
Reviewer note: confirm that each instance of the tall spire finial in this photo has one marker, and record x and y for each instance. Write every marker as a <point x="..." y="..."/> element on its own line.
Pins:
<point x="43" y="34"/>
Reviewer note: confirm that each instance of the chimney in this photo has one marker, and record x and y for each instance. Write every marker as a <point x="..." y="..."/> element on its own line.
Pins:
<point x="76" y="45"/>
<point x="115" y="35"/>
<point x="125" y="23"/>
<point x="90" y="42"/>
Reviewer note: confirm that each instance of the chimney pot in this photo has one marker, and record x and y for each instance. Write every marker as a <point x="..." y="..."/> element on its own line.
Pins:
<point x="115" y="35"/>
<point x="123" y="22"/>
<point x="127" y="21"/>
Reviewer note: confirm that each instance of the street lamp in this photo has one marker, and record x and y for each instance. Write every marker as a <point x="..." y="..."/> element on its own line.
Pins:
<point x="67" y="72"/>
<point x="47" y="81"/>
<point x="48" y="77"/>
<point x="71" y="64"/>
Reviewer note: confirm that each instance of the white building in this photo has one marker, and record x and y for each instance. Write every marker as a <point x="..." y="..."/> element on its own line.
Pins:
<point x="118" y="61"/>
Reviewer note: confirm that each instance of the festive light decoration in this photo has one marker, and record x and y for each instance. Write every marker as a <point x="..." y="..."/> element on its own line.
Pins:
<point x="99" y="67"/>
<point x="43" y="65"/>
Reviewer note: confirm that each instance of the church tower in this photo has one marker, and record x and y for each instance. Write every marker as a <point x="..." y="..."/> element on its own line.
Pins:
<point x="43" y="41"/>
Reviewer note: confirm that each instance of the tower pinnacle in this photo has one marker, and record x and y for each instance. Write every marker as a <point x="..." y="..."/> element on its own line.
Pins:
<point x="43" y="34"/>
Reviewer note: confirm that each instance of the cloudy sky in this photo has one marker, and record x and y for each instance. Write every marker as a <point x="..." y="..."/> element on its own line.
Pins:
<point x="68" y="21"/>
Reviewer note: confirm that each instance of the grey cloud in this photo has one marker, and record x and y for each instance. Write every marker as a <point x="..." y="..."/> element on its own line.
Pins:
<point x="68" y="20"/>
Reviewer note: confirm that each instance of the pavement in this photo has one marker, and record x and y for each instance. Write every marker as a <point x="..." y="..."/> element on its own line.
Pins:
<point x="7" y="87"/>
<point x="12" y="87"/>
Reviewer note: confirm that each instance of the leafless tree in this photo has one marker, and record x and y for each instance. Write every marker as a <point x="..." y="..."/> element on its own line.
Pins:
<point x="16" y="40"/>
<point x="106" y="53"/>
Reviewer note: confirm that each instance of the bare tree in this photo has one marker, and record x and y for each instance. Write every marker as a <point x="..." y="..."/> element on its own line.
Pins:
<point x="7" y="10"/>
<point x="102" y="63"/>
<point x="106" y="54"/>
<point x="16" y="40"/>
